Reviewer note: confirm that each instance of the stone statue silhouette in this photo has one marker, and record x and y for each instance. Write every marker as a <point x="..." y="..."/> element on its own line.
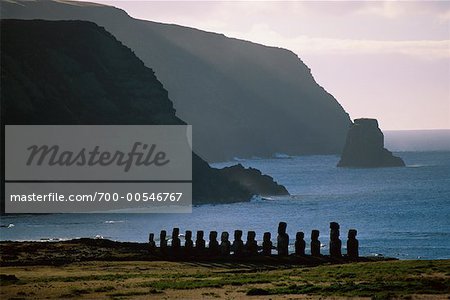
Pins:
<point x="188" y="243"/>
<point x="200" y="242"/>
<point x="267" y="244"/>
<point x="352" y="244"/>
<point x="151" y="243"/>
<point x="251" y="246"/>
<point x="225" y="245"/>
<point x="282" y="240"/>
<point x="300" y="243"/>
<point x="335" y="242"/>
<point x="315" y="243"/>
<point x="238" y="244"/>
<point x="163" y="242"/>
<point x="213" y="246"/>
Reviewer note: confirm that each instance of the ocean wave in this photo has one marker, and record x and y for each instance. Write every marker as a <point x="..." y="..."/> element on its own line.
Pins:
<point x="46" y="239"/>
<point x="256" y="199"/>
<point x="10" y="225"/>
<point x="281" y="156"/>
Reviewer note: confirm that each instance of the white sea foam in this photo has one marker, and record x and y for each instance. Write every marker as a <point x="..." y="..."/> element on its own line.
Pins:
<point x="282" y="156"/>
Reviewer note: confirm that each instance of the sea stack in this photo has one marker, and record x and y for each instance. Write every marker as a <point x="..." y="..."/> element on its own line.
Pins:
<point x="364" y="147"/>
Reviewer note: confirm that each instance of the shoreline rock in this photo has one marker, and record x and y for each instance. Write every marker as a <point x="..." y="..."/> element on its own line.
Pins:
<point x="254" y="181"/>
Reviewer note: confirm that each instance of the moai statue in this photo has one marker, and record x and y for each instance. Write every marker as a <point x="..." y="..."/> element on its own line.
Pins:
<point x="300" y="243"/>
<point x="213" y="244"/>
<point x="335" y="242"/>
<point x="267" y="244"/>
<point x="163" y="242"/>
<point x="251" y="246"/>
<point x="315" y="243"/>
<point x="225" y="245"/>
<point x="352" y="244"/>
<point x="238" y="244"/>
<point x="200" y="242"/>
<point x="176" y="242"/>
<point x="188" y="243"/>
<point x="282" y="240"/>
<point x="151" y="243"/>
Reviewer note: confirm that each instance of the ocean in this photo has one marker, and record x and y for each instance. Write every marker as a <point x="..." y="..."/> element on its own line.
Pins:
<point x="398" y="212"/>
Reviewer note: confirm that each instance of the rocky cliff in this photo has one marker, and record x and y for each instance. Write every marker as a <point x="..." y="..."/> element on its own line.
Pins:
<point x="75" y="72"/>
<point x="243" y="99"/>
<point x="364" y="147"/>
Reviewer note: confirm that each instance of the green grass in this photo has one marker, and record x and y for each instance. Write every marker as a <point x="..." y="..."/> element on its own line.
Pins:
<point x="359" y="279"/>
<point x="212" y="282"/>
<point x="379" y="280"/>
<point x="104" y="277"/>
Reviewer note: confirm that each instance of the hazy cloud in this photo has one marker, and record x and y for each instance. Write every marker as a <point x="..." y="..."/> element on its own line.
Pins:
<point x="417" y="28"/>
<point x="424" y="49"/>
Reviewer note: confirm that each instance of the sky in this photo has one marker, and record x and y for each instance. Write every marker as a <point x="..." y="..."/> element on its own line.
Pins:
<point x="388" y="60"/>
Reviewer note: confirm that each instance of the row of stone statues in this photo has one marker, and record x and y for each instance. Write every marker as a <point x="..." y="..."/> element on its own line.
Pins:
<point x="250" y="247"/>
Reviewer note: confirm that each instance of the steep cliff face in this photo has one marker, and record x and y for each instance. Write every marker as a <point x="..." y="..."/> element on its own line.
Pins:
<point x="243" y="99"/>
<point x="75" y="72"/>
<point x="364" y="147"/>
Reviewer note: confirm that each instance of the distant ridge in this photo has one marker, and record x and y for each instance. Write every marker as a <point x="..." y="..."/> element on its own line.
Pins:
<point x="243" y="99"/>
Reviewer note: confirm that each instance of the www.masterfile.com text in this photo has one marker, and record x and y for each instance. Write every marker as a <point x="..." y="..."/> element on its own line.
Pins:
<point x="97" y="197"/>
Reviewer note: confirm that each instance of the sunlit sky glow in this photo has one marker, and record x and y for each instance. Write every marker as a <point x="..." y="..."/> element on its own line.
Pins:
<point x="387" y="60"/>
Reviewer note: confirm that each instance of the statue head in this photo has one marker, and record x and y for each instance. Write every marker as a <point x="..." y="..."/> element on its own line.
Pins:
<point x="282" y="227"/>
<point x="334" y="225"/>
<point x="224" y="237"/>
<point x="352" y="233"/>
<point x="213" y="235"/>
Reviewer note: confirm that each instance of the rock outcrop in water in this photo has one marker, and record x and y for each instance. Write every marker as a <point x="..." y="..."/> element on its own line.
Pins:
<point x="243" y="99"/>
<point x="75" y="72"/>
<point x="364" y="147"/>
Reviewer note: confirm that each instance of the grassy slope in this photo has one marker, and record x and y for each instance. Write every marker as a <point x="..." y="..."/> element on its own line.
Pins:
<point x="142" y="280"/>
